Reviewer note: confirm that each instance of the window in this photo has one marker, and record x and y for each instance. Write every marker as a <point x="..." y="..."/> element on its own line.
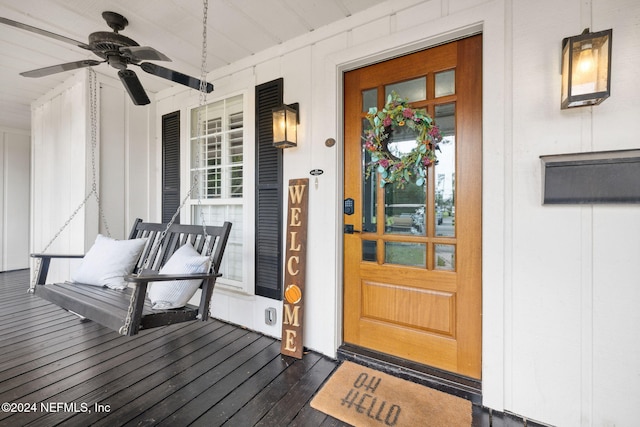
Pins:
<point x="216" y="171"/>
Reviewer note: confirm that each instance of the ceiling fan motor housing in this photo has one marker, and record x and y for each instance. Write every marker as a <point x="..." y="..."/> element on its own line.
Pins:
<point x="107" y="45"/>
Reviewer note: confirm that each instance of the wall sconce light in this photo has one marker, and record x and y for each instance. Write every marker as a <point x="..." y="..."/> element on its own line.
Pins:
<point x="285" y="126"/>
<point x="586" y="69"/>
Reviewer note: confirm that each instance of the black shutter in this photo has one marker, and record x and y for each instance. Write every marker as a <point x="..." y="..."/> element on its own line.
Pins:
<point x="170" y="165"/>
<point x="268" y="194"/>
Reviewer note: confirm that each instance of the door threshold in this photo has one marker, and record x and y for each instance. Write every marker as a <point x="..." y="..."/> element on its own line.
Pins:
<point x="447" y="382"/>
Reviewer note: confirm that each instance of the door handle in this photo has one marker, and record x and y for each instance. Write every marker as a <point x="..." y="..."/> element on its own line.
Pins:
<point x="348" y="229"/>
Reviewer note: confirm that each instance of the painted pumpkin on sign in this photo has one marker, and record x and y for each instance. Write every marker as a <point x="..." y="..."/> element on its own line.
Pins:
<point x="292" y="294"/>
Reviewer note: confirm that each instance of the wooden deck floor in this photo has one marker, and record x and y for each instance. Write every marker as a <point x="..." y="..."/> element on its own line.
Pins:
<point x="55" y="370"/>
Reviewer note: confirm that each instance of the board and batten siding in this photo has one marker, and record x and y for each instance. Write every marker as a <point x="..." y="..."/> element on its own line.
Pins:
<point x="61" y="167"/>
<point x="15" y="151"/>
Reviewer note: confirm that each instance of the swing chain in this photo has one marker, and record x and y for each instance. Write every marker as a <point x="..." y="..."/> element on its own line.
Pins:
<point x="39" y="260"/>
<point x="124" y="329"/>
<point x="155" y="245"/>
<point x="202" y="103"/>
<point x="93" y="87"/>
<point x="93" y="96"/>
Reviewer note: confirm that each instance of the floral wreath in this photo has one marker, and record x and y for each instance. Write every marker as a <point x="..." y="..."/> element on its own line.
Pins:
<point x="411" y="167"/>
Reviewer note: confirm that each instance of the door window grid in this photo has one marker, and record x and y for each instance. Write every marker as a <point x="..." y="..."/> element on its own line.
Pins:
<point x="419" y="215"/>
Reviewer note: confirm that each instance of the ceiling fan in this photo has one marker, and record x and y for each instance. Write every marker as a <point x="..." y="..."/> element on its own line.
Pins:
<point x="118" y="51"/>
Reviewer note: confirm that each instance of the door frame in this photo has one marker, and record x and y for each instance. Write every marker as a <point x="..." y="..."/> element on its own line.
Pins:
<point x="458" y="354"/>
<point x="341" y="69"/>
<point x="492" y="20"/>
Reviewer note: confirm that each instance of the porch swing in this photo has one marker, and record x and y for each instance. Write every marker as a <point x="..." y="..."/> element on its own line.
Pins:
<point x="168" y="260"/>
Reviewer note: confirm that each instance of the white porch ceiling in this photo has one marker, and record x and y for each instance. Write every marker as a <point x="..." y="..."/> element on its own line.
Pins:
<point x="236" y="29"/>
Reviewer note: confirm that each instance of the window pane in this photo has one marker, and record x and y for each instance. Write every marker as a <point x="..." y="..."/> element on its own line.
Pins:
<point x="198" y="123"/>
<point x="369" y="195"/>
<point x="413" y="254"/>
<point x="445" y="172"/>
<point x="404" y="209"/>
<point x="411" y="90"/>
<point x="235" y="154"/>
<point x="445" y="257"/>
<point x="369" y="99"/>
<point x="369" y="250"/>
<point x="231" y="267"/>
<point x="445" y="83"/>
<point x="217" y="153"/>
<point x="217" y="163"/>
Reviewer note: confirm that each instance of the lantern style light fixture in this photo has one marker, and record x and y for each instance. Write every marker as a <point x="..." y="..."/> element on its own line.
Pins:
<point x="586" y="69"/>
<point x="285" y="126"/>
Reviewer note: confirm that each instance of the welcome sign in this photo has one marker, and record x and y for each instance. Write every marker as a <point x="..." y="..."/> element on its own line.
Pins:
<point x="295" y="267"/>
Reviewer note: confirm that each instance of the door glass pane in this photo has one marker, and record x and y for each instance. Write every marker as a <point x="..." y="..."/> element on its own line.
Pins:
<point x="369" y="250"/>
<point x="404" y="209"/>
<point x="445" y="172"/>
<point x="369" y="99"/>
<point x="445" y="257"/>
<point x="369" y="196"/>
<point x="445" y="83"/>
<point x="411" y="90"/>
<point x="413" y="254"/>
<point x="401" y="140"/>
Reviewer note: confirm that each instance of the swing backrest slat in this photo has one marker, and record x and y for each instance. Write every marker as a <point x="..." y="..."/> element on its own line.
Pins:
<point x="176" y="236"/>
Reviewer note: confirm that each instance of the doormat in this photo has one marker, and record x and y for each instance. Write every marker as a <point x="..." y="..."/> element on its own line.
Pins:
<point x="365" y="397"/>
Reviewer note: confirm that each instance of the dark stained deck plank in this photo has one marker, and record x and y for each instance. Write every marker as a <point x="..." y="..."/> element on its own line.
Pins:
<point x="79" y="333"/>
<point x="56" y="351"/>
<point x="213" y="386"/>
<point x="265" y="397"/>
<point x="283" y="412"/>
<point x="197" y="373"/>
<point x="10" y="322"/>
<point x="245" y="393"/>
<point x="34" y="324"/>
<point x="161" y="384"/>
<point x="117" y="386"/>
<point x="85" y="367"/>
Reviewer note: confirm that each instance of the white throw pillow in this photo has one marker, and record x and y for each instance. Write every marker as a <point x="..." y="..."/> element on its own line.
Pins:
<point x="108" y="261"/>
<point x="177" y="293"/>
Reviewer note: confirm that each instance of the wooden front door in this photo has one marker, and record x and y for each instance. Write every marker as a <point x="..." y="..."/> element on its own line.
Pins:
<point x="412" y="256"/>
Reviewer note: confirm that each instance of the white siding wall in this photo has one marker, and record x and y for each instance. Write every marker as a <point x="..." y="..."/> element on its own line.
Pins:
<point x="560" y="285"/>
<point x="60" y="146"/>
<point x="573" y="287"/>
<point x="62" y="172"/>
<point x="14" y="199"/>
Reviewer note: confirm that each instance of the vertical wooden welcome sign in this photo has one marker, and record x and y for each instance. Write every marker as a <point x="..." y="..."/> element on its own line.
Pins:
<point x="296" y="260"/>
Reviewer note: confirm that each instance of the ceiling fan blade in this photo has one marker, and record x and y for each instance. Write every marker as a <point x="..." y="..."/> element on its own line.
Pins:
<point x="144" y="53"/>
<point x="174" y="76"/>
<point x="134" y="87"/>
<point x="46" y="71"/>
<point x="44" y="32"/>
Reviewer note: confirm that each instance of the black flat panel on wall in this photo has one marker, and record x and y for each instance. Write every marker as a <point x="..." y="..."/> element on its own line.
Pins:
<point x="268" y="194"/>
<point x="600" y="177"/>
